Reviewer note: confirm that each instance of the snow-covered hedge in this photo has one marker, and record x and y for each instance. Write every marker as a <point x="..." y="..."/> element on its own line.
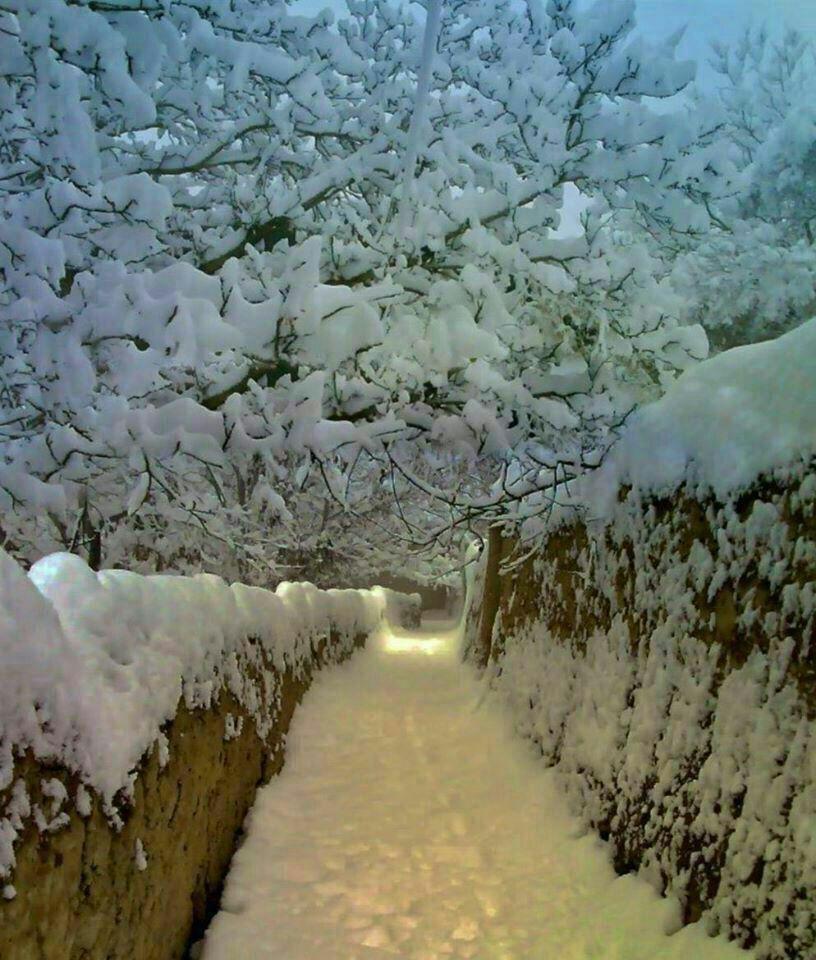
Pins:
<point x="93" y="666"/>
<point x="660" y="647"/>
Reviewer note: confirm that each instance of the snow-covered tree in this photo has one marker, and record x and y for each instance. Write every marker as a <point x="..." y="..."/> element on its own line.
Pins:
<point x="755" y="275"/>
<point x="214" y="267"/>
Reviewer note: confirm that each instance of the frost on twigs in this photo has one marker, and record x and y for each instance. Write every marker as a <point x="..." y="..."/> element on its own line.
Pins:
<point x="753" y="276"/>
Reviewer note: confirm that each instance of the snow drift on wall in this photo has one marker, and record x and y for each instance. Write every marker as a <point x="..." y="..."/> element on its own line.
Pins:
<point x="722" y="424"/>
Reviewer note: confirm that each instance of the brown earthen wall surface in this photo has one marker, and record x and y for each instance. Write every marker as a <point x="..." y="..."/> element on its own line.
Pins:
<point x="658" y="563"/>
<point x="80" y="894"/>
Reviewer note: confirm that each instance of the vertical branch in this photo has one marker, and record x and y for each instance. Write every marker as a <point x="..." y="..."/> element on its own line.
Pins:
<point x="429" y="42"/>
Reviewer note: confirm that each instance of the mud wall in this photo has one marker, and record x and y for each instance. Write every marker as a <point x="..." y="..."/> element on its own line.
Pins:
<point x="141" y="882"/>
<point x="664" y="661"/>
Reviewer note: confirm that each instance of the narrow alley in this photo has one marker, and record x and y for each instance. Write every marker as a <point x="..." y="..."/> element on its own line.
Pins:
<point x="409" y="821"/>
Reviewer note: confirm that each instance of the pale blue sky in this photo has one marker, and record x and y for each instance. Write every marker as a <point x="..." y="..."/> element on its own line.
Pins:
<point x="705" y="19"/>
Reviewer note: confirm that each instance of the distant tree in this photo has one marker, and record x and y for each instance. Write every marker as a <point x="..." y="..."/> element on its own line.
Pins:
<point x="755" y="275"/>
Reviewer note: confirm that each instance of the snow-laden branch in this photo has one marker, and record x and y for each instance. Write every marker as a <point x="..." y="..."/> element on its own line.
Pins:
<point x="213" y="318"/>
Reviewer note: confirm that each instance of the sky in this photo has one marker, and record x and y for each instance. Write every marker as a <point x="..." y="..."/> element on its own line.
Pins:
<point x="706" y="20"/>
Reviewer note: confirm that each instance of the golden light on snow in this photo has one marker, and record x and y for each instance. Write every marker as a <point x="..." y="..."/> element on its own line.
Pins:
<point x="411" y="825"/>
<point x="430" y="646"/>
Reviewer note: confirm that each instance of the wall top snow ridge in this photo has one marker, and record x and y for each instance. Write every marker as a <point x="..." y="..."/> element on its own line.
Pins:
<point x="722" y="425"/>
<point x="92" y="665"/>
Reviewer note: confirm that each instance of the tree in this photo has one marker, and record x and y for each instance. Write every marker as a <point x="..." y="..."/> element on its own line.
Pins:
<point x="205" y="283"/>
<point x="755" y="276"/>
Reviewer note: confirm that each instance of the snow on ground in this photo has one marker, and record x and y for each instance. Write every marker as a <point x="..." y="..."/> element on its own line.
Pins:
<point x="410" y="821"/>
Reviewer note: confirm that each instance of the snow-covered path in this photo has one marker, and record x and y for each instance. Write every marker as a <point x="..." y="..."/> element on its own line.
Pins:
<point x="409" y="823"/>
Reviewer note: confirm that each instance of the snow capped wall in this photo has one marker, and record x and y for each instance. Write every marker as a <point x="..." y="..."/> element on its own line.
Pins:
<point x="95" y="664"/>
<point x="660" y="647"/>
<point x="137" y="716"/>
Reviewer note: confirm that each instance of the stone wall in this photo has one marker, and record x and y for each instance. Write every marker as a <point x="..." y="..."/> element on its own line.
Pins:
<point x="665" y="662"/>
<point x="87" y="890"/>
